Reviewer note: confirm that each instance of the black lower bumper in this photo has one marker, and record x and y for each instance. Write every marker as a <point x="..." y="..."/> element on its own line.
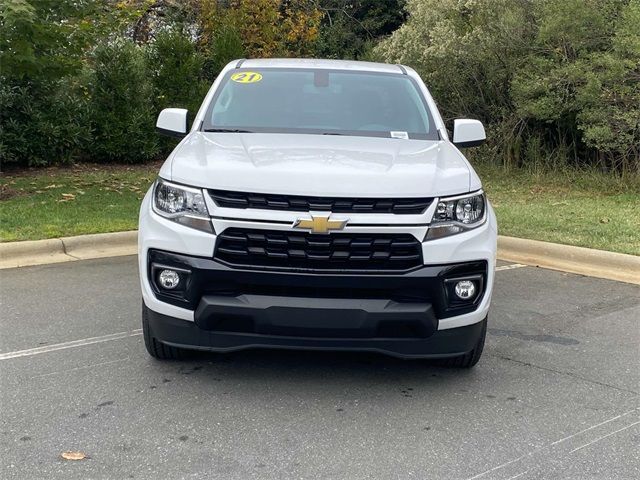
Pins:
<point x="441" y="344"/>
<point x="394" y="313"/>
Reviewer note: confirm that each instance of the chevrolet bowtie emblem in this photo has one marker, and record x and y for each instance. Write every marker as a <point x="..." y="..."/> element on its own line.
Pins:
<point x="319" y="224"/>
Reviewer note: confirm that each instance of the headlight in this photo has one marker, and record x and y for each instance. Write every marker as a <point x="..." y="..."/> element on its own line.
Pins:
<point x="457" y="214"/>
<point x="184" y="205"/>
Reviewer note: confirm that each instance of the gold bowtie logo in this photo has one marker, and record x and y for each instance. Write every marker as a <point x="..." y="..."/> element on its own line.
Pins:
<point x="319" y="224"/>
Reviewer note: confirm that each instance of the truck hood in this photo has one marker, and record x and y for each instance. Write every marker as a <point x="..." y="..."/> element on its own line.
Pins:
<point x="317" y="165"/>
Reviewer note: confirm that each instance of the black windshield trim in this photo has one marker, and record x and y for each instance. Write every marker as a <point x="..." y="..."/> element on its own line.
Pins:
<point x="323" y="131"/>
<point x="227" y="130"/>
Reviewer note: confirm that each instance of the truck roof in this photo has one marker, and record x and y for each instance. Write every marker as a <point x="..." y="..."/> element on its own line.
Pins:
<point x="321" y="64"/>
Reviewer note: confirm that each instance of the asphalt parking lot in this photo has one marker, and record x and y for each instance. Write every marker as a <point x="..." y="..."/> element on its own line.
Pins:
<point x="556" y="394"/>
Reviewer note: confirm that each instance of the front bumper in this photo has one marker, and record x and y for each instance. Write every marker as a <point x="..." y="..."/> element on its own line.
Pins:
<point x="442" y="344"/>
<point x="393" y="313"/>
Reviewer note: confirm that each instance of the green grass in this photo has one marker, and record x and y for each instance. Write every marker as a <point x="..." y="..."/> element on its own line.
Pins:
<point x="587" y="209"/>
<point x="59" y="202"/>
<point x="576" y="208"/>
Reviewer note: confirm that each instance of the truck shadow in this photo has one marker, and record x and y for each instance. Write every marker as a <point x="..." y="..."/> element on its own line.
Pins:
<point x="319" y="369"/>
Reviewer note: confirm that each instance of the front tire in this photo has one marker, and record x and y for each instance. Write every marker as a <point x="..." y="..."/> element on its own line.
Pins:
<point x="156" y="348"/>
<point x="469" y="359"/>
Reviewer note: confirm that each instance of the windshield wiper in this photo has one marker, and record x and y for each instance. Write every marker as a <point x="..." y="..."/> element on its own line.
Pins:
<point x="332" y="133"/>
<point x="227" y="130"/>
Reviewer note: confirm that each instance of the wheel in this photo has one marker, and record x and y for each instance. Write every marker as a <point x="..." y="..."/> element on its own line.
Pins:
<point x="468" y="360"/>
<point x="156" y="348"/>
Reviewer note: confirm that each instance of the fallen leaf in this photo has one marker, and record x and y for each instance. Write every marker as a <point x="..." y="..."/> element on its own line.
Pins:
<point x="605" y="220"/>
<point x="73" y="455"/>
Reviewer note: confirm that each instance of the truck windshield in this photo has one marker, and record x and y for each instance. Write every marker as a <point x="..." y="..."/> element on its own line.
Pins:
<point x="318" y="101"/>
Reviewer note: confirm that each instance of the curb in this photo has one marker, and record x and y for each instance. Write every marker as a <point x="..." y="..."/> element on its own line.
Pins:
<point x="566" y="258"/>
<point x="584" y="261"/>
<point x="68" y="249"/>
<point x="36" y="252"/>
<point x="101" y="245"/>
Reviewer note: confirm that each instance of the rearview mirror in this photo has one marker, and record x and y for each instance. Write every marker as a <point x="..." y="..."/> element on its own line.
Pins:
<point x="468" y="133"/>
<point x="172" y="122"/>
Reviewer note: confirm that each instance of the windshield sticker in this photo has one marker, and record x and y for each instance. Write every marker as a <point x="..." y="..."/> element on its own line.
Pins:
<point x="403" y="135"/>
<point x="246" y="77"/>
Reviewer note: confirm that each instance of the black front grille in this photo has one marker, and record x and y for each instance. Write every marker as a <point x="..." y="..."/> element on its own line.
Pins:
<point x="306" y="251"/>
<point x="263" y="201"/>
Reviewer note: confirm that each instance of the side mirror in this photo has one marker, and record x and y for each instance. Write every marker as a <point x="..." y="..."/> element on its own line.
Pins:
<point x="468" y="133"/>
<point x="172" y="122"/>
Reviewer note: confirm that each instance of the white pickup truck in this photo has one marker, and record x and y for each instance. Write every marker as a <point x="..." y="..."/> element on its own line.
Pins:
<point x="317" y="204"/>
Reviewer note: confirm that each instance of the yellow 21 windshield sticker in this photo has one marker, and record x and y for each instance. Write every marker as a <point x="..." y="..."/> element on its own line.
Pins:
<point x="246" y="77"/>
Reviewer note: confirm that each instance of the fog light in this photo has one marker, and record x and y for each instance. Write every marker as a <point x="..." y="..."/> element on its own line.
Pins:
<point x="465" y="289"/>
<point x="169" y="279"/>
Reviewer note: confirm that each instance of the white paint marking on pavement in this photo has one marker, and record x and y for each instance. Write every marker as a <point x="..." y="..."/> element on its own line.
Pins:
<point x="503" y="465"/>
<point x="510" y="267"/>
<point x="72" y="344"/>
<point x="84" y="367"/>
<point x="518" y="475"/>
<point x="539" y="449"/>
<point x="603" y="437"/>
<point x="595" y="426"/>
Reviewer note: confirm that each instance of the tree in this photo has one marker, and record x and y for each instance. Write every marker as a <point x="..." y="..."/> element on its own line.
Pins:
<point x="582" y="79"/>
<point x="41" y="109"/>
<point x="265" y="28"/>
<point x="351" y="27"/>
<point x="556" y="81"/>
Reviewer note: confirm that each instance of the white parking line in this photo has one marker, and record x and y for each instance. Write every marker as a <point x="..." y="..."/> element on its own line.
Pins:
<point x="83" y="367"/>
<point x="595" y="426"/>
<point x="552" y="444"/>
<point x="510" y="267"/>
<point x="75" y="343"/>
<point x="518" y="475"/>
<point x="603" y="437"/>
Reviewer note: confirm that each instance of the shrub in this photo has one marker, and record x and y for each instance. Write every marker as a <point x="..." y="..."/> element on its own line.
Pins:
<point x="41" y="124"/>
<point x="225" y="46"/>
<point x="122" y="116"/>
<point x="176" y="72"/>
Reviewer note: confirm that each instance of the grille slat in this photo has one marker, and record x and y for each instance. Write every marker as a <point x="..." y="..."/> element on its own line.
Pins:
<point x="306" y="251"/>
<point x="243" y="200"/>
